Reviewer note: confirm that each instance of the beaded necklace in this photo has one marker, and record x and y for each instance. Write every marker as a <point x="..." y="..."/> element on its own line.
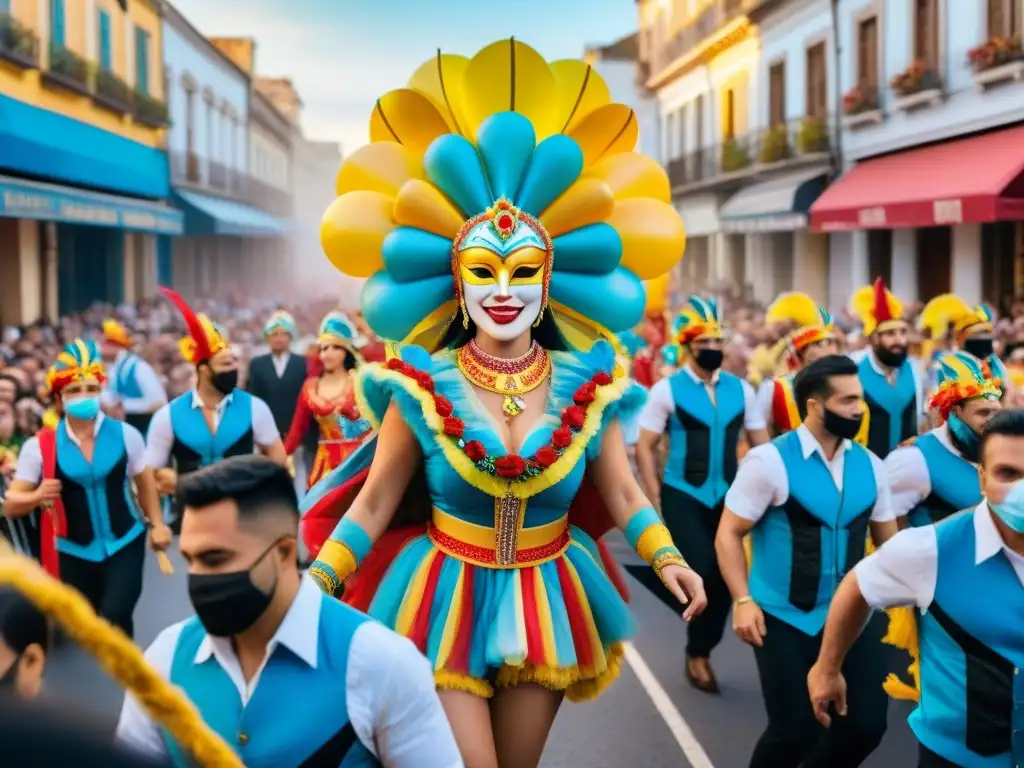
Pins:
<point x="512" y="378"/>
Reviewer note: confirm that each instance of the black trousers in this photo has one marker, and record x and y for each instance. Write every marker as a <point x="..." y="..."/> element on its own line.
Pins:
<point x="693" y="527"/>
<point x="793" y="736"/>
<point x="113" y="586"/>
<point x="928" y="759"/>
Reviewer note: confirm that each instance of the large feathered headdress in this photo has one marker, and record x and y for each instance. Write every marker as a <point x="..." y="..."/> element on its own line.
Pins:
<point x="813" y="323"/>
<point x="877" y="308"/>
<point x="961" y="377"/>
<point x="204" y="340"/>
<point x="507" y="142"/>
<point x="698" y="320"/>
<point x="80" y="361"/>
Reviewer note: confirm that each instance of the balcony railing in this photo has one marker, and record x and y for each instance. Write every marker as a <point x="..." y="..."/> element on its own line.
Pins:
<point x="186" y="168"/>
<point x="800" y="141"/>
<point x="112" y="92"/>
<point x="150" y="111"/>
<point x="18" y="44"/>
<point x="217" y="175"/>
<point x="268" y="198"/>
<point x="712" y="18"/>
<point x="68" y="70"/>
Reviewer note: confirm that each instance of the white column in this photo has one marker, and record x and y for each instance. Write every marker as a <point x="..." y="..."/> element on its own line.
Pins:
<point x="848" y="267"/>
<point x="29" y="271"/>
<point x="966" y="277"/>
<point x="129" y="276"/>
<point x="129" y="51"/>
<point x="50" y="265"/>
<point x="904" y="264"/>
<point x="810" y="265"/>
<point x="91" y="32"/>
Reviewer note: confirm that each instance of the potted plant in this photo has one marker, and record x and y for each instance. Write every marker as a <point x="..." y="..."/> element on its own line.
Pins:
<point x="812" y="136"/>
<point x="859" y="99"/>
<point x="995" y="52"/>
<point x="918" y="77"/>
<point x="775" y="146"/>
<point x="734" y="156"/>
<point x="16" y="40"/>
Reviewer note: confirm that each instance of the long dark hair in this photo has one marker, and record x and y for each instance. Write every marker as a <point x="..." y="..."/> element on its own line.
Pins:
<point x="546" y="333"/>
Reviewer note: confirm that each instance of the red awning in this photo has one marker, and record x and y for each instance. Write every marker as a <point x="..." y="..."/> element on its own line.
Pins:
<point x="968" y="180"/>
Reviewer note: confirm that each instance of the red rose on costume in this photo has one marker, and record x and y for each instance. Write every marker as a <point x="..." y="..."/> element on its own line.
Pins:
<point x="443" y="406"/>
<point x="585" y="394"/>
<point x="574" y="417"/>
<point x="453" y="427"/>
<point x="561" y="437"/>
<point x="425" y="381"/>
<point x="546" y="456"/>
<point x="510" y="466"/>
<point x="475" y="450"/>
<point x="601" y="379"/>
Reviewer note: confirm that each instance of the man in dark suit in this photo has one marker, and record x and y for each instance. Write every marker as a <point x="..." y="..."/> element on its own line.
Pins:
<point x="277" y="378"/>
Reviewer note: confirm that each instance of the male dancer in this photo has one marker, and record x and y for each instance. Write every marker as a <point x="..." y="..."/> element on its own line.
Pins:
<point x="82" y="473"/>
<point x="966" y="578"/>
<point x="213" y="420"/>
<point x="134" y="391"/>
<point x="813" y="338"/>
<point x="807" y="499"/>
<point x="703" y="410"/>
<point x="893" y="388"/>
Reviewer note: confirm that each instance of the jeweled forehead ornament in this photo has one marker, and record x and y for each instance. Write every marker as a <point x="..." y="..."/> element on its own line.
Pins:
<point x="502" y="229"/>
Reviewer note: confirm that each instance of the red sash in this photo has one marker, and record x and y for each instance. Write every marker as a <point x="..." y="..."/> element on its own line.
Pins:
<point x="52" y="520"/>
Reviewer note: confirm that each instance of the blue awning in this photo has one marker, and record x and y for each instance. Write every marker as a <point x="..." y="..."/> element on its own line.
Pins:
<point x="779" y="205"/>
<point x="42" y="144"/>
<point x="21" y="199"/>
<point x="208" y="215"/>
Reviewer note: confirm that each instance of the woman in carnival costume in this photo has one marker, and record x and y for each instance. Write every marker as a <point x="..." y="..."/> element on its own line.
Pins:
<point x="505" y="226"/>
<point x="328" y="397"/>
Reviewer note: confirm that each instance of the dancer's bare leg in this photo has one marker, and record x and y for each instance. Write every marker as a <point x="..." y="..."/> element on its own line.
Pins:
<point x="470" y="718"/>
<point x="522" y="716"/>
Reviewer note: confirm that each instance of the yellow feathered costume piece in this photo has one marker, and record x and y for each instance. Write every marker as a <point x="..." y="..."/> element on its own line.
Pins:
<point x="119" y="656"/>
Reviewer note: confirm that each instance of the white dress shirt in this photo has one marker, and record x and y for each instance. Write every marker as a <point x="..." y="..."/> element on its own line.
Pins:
<point x="661" y="404"/>
<point x="30" y="459"/>
<point x="909" y="479"/>
<point x="160" y="437"/>
<point x="765" y="396"/>
<point x="280" y="362"/>
<point x="904" y="570"/>
<point x="153" y="394"/>
<point x="392" y="703"/>
<point x="762" y="481"/>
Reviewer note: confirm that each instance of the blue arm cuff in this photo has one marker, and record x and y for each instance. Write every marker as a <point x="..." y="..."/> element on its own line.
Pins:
<point x="352" y="535"/>
<point x="640" y="521"/>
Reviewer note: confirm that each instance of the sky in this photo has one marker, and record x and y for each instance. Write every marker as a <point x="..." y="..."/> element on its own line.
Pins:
<point x="343" y="54"/>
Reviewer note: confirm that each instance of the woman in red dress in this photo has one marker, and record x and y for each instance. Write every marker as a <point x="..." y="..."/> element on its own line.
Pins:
<point x="329" y="398"/>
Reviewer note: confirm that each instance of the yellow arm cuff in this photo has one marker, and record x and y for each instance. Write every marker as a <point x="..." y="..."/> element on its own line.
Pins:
<point x="334" y="564"/>
<point x="654" y="538"/>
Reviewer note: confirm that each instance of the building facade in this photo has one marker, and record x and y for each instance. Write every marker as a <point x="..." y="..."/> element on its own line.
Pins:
<point x="315" y="168"/>
<point x="83" y="171"/>
<point x="933" y="146"/>
<point x="744" y="89"/>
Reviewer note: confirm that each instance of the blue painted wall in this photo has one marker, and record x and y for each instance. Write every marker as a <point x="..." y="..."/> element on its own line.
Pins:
<point x="164" y="261"/>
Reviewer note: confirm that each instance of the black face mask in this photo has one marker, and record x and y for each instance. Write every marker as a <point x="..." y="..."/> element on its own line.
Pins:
<point x="224" y="381"/>
<point x="10" y="677"/>
<point x="840" y="426"/>
<point x="893" y="358"/>
<point x="228" y="604"/>
<point x="709" y="359"/>
<point x="980" y="348"/>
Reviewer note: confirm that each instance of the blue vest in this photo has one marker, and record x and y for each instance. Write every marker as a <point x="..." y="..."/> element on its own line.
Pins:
<point x="297" y="716"/>
<point x="972" y="652"/>
<point x="703" y="436"/>
<point x="194" y="445"/>
<point x="892" y="407"/>
<point x="803" y="548"/>
<point x="124" y="382"/>
<point x="955" y="483"/>
<point x="102" y="514"/>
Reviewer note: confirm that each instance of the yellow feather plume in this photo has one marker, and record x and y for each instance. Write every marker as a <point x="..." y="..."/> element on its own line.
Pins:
<point x="794" y="307"/>
<point x="941" y="312"/>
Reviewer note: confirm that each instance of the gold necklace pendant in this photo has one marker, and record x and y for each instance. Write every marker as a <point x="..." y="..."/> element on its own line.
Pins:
<point x="511" y="378"/>
<point x="513" y="405"/>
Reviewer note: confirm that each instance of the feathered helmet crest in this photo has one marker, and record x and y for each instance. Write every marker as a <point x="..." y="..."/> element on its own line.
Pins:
<point x="115" y="333"/>
<point x="697" y="320"/>
<point x="204" y="338"/>
<point x="502" y="151"/>
<point x="948" y="313"/>
<point x="80" y="361"/>
<point x="814" y="324"/>
<point x="877" y="308"/>
<point x="961" y="377"/>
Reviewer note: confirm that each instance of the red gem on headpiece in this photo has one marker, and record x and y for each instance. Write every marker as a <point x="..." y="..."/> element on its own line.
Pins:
<point x="505" y="222"/>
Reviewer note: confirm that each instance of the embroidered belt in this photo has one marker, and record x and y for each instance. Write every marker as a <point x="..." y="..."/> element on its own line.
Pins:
<point x="489" y="547"/>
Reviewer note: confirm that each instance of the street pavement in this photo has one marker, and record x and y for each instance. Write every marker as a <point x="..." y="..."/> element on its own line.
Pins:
<point x="622" y="729"/>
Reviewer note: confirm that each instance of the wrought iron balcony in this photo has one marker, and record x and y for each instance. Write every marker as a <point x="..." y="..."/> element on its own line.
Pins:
<point x="217" y="175"/>
<point x="713" y="18"/>
<point x="150" y="111"/>
<point x="112" y="92"/>
<point x="268" y="198"/>
<point x="18" y="44"/>
<point x="68" y="70"/>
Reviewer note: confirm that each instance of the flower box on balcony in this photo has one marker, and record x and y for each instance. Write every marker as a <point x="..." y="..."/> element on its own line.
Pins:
<point x="775" y="146"/>
<point x="150" y="111"/>
<point x="68" y="70"/>
<point x="929" y="97"/>
<point x="112" y="93"/>
<point x="812" y="137"/>
<point x="734" y="156"/>
<point x="917" y="86"/>
<point x="861" y="107"/>
<point x="997" y="60"/>
<point x="18" y="45"/>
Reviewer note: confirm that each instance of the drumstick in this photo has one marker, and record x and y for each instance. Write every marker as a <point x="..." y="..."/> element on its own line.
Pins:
<point x="166" y="567"/>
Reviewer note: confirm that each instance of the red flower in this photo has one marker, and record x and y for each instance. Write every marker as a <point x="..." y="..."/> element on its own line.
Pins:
<point x="453" y="427"/>
<point x="561" y="437"/>
<point x="475" y="450"/>
<point x="424" y="380"/>
<point x="585" y="394"/>
<point x="574" y="416"/>
<point x="601" y="379"/>
<point x="510" y="466"/>
<point x="546" y="456"/>
<point x="443" y="406"/>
